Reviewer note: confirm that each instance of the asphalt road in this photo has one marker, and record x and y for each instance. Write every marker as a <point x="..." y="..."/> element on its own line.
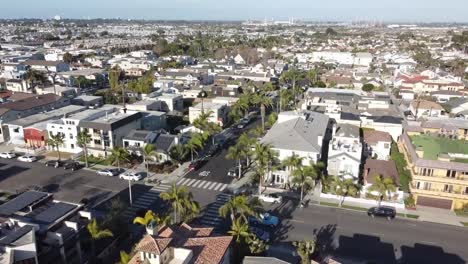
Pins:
<point x="64" y="184"/>
<point x="354" y="235"/>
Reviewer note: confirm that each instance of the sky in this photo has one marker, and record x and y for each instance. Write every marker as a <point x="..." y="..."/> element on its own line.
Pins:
<point x="311" y="10"/>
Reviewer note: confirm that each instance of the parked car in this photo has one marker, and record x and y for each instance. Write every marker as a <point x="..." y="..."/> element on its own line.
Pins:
<point x="260" y="233"/>
<point x="109" y="172"/>
<point x="7" y="155"/>
<point x="270" y="198"/>
<point x="243" y="123"/>
<point x="265" y="219"/>
<point x="233" y="172"/>
<point x="131" y="176"/>
<point x="27" y="158"/>
<point x="73" y="165"/>
<point x="54" y="163"/>
<point x="382" y="211"/>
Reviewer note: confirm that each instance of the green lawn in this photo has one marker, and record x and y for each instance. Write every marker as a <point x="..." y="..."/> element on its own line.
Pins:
<point x="464" y="223"/>
<point x="433" y="146"/>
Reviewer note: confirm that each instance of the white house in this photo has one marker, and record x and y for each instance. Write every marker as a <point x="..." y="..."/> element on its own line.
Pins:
<point x="425" y="109"/>
<point x="219" y="112"/>
<point x="298" y="133"/>
<point x="345" y="151"/>
<point x="377" y="144"/>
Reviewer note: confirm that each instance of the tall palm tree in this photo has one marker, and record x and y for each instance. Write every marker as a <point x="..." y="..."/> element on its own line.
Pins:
<point x="149" y="151"/>
<point x="55" y="141"/>
<point x="305" y="250"/>
<point x="344" y="187"/>
<point x="292" y="163"/>
<point x="264" y="101"/>
<point x="246" y="143"/>
<point x="236" y="153"/>
<point x="195" y="143"/>
<point x="240" y="230"/>
<point x="240" y="206"/>
<point x="303" y="177"/>
<point x="178" y="152"/>
<point x="385" y="186"/>
<point x="83" y="139"/>
<point x="118" y="155"/>
<point x="150" y="217"/>
<point x="264" y="158"/>
<point x="97" y="233"/>
<point x="182" y="202"/>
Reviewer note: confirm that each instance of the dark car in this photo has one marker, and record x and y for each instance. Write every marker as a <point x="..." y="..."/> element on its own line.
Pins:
<point x="260" y="233"/>
<point x="73" y="165"/>
<point x="213" y="150"/>
<point x="382" y="211"/>
<point x="54" y="163"/>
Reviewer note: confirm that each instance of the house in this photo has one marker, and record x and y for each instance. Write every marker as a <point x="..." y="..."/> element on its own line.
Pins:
<point x="145" y="105"/>
<point x="231" y="90"/>
<point x="90" y="101"/>
<point x="48" y="66"/>
<point x="406" y="94"/>
<point x="67" y="92"/>
<point x="36" y="228"/>
<point x="377" y="144"/>
<point x="445" y="96"/>
<point x="136" y="140"/>
<point x="229" y="101"/>
<point x="385" y="168"/>
<point x="18" y="85"/>
<point x="439" y="174"/>
<point x="262" y="260"/>
<point x="298" y="133"/>
<point x="108" y="131"/>
<point x="182" y="244"/>
<point x="345" y="152"/>
<point x="426" y="109"/>
<point x="387" y="123"/>
<point x="169" y="102"/>
<point x="154" y="120"/>
<point x="238" y="59"/>
<point x="219" y="112"/>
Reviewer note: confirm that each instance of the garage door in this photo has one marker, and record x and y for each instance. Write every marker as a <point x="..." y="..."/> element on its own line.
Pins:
<point x="434" y="202"/>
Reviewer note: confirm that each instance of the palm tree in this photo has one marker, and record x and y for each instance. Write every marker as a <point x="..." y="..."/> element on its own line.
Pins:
<point x="124" y="257"/>
<point x="236" y="153"/>
<point x="263" y="101"/>
<point x="240" y="206"/>
<point x="182" y="202"/>
<point x="385" y="186"/>
<point x="264" y="158"/>
<point x="148" y="151"/>
<point x="195" y="143"/>
<point x="256" y="245"/>
<point x="245" y="143"/>
<point x="150" y="217"/>
<point x="83" y="140"/>
<point x="345" y="187"/>
<point x="119" y="154"/>
<point x="293" y="162"/>
<point x="55" y="141"/>
<point x="240" y="230"/>
<point x="97" y="233"/>
<point x="178" y="152"/>
<point x="305" y="249"/>
<point x="303" y="176"/>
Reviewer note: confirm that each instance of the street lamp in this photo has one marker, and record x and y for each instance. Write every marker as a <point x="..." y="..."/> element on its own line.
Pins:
<point x="202" y="94"/>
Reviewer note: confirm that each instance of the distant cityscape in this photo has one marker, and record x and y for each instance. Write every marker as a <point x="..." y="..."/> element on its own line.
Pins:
<point x="252" y="141"/>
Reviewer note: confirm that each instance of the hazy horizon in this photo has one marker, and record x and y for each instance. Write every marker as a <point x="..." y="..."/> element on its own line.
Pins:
<point x="335" y="10"/>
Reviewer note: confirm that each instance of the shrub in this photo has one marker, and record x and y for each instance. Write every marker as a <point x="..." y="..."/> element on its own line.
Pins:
<point x="409" y="201"/>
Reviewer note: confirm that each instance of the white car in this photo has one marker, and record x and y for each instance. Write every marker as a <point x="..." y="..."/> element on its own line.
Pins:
<point x="270" y="198"/>
<point x="27" y="158"/>
<point x="131" y="176"/>
<point x="7" y="155"/>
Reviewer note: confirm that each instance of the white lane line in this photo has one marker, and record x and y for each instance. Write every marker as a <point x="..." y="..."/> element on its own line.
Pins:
<point x="211" y="185"/>
<point x="222" y="188"/>
<point x="190" y="182"/>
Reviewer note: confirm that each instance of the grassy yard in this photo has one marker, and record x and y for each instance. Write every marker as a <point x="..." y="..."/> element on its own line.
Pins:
<point x="464" y="223"/>
<point x="355" y="208"/>
<point x="329" y="204"/>
<point x="433" y="146"/>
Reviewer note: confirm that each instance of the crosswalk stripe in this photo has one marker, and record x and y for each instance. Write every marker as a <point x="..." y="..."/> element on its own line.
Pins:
<point x="199" y="184"/>
<point x="211" y="185"/>
<point x="189" y="183"/>
<point x="222" y="188"/>
<point x="143" y="202"/>
<point x="217" y="186"/>
<point x="205" y="183"/>
<point x="179" y="182"/>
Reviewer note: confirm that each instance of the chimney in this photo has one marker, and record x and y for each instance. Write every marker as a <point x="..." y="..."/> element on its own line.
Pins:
<point x="152" y="228"/>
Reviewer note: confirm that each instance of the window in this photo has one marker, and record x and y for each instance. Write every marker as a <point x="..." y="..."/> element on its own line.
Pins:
<point x="451" y="173"/>
<point x="448" y="188"/>
<point x="466" y="190"/>
<point x="16" y="130"/>
<point x="386" y="145"/>
<point x="72" y="146"/>
<point x="71" y="136"/>
<point x="97" y="141"/>
<point x="427" y="186"/>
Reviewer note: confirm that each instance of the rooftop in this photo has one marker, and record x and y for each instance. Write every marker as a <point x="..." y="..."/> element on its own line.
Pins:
<point x="57" y="113"/>
<point x="434" y="146"/>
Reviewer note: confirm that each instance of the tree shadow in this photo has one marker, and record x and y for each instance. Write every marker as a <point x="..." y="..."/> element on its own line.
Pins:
<point x="324" y="238"/>
<point x="11" y="171"/>
<point x="428" y="254"/>
<point x="365" y="247"/>
<point x="280" y="233"/>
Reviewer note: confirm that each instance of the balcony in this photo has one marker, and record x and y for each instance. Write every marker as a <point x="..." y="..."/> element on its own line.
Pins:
<point x="440" y="193"/>
<point x="459" y="180"/>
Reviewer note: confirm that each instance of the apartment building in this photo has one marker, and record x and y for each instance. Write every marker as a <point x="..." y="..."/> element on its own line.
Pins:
<point x="108" y="131"/>
<point x="440" y="179"/>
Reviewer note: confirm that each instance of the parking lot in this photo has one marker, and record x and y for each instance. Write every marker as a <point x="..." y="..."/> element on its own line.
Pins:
<point x="67" y="185"/>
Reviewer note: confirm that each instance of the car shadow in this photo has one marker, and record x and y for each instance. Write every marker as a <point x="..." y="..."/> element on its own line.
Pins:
<point x="11" y="171"/>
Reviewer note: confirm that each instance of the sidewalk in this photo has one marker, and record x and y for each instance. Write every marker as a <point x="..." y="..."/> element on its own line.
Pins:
<point x="171" y="177"/>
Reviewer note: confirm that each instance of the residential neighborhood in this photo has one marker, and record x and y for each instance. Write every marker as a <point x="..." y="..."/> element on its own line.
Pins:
<point x="243" y="141"/>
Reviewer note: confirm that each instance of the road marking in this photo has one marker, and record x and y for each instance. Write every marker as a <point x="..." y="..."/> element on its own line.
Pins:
<point x="296" y="221"/>
<point x="211" y="185"/>
<point x="181" y="180"/>
<point x="198" y="184"/>
<point x="215" y="187"/>
<point x="205" y="184"/>
<point x="190" y="182"/>
<point x="224" y="187"/>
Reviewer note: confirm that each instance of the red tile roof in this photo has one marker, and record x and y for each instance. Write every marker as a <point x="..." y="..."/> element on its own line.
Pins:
<point x="153" y="245"/>
<point x="386" y="168"/>
<point x="208" y="250"/>
<point x="372" y="137"/>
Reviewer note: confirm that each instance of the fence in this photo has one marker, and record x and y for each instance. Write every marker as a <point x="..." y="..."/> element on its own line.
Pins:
<point x="361" y="201"/>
